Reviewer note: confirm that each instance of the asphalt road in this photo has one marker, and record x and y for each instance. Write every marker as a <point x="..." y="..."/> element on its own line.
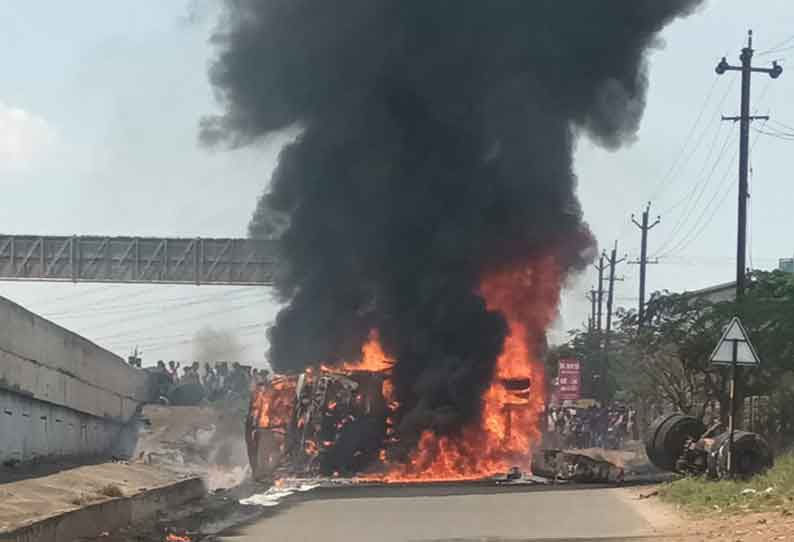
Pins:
<point x="441" y="516"/>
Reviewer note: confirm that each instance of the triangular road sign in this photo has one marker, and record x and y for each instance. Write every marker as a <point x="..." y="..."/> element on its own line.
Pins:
<point x="735" y="342"/>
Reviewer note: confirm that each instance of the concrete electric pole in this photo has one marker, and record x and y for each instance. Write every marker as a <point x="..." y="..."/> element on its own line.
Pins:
<point x="643" y="261"/>
<point x="601" y="267"/>
<point x="593" y="297"/>
<point x="744" y="119"/>
<point x="613" y="261"/>
<point x="744" y="136"/>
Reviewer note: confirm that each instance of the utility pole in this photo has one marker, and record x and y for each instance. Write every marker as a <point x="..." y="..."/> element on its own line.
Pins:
<point x="741" y="239"/>
<point x="593" y="344"/>
<point x="601" y="267"/>
<point x="643" y="261"/>
<point x="613" y="262"/>
<point x="593" y="297"/>
<point x="744" y="136"/>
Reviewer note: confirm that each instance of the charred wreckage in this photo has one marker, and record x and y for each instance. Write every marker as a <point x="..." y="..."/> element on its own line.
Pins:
<point x="329" y="423"/>
<point x="683" y="444"/>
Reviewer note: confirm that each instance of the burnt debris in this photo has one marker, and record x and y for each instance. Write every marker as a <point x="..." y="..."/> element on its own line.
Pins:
<point x="682" y="444"/>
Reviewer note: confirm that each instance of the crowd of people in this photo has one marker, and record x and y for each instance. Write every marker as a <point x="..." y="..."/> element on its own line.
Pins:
<point x="212" y="381"/>
<point x="592" y="427"/>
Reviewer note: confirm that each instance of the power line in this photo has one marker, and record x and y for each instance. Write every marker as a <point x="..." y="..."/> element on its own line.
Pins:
<point x="714" y="210"/>
<point x="155" y="305"/>
<point x="784" y="125"/>
<point x="699" y="225"/>
<point x="685" y="215"/>
<point x="687" y="198"/>
<point x="789" y="48"/>
<point x="694" y="197"/>
<point x="682" y="152"/>
<point x="662" y="184"/>
<point x="707" y="160"/>
<point x="161" y="326"/>
<point x="777" y="48"/>
<point x="777" y="135"/>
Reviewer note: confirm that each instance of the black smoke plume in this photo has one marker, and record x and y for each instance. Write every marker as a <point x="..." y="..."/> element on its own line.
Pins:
<point x="435" y="144"/>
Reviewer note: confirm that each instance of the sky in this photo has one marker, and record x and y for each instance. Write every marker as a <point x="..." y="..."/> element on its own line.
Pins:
<point x="99" y="110"/>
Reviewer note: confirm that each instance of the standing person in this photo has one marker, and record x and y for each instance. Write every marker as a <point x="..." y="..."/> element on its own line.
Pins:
<point x="601" y="426"/>
<point x="631" y="425"/>
<point x="173" y="370"/>
<point x="551" y="428"/>
<point x="222" y="370"/>
<point x="163" y="381"/>
<point x="210" y="381"/>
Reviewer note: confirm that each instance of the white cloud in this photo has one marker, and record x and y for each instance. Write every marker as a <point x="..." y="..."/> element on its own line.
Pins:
<point x="24" y="137"/>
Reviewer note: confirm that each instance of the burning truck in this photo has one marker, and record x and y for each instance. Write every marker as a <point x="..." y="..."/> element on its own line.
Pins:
<point x="427" y="196"/>
<point x="344" y="421"/>
<point x="318" y="423"/>
<point x="330" y="422"/>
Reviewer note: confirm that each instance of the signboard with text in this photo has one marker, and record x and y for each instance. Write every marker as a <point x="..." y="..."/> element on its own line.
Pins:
<point x="569" y="378"/>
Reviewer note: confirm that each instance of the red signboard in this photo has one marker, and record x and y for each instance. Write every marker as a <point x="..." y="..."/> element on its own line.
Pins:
<point x="569" y="380"/>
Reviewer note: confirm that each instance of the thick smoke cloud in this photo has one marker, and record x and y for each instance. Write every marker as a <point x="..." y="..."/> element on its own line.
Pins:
<point x="435" y="145"/>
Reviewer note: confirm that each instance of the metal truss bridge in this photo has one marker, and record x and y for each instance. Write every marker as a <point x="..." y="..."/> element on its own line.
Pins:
<point x="137" y="260"/>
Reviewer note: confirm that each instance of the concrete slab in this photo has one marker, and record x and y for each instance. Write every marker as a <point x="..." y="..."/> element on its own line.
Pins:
<point x="87" y="500"/>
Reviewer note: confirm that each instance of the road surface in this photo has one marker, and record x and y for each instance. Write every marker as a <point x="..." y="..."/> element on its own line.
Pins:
<point x="407" y="515"/>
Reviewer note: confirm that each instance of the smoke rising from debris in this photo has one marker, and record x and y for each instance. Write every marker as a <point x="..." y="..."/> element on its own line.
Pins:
<point x="435" y="147"/>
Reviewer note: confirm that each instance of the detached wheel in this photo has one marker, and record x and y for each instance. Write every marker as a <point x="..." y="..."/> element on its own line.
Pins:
<point x="752" y="455"/>
<point x="667" y="436"/>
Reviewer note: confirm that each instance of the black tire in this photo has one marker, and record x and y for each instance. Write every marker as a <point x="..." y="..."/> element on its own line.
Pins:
<point x="753" y="455"/>
<point x="650" y="439"/>
<point x="667" y="438"/>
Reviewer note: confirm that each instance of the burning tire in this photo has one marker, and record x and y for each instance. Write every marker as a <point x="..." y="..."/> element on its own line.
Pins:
<point x="667" y="437"/>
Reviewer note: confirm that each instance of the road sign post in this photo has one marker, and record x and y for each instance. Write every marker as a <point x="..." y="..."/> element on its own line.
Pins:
<point x="734" y="349"/>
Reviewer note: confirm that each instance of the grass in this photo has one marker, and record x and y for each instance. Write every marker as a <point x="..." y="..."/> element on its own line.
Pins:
<point x="80" y="500"/>
<point x="111" y="490"/>
<point x="772" y="491"/>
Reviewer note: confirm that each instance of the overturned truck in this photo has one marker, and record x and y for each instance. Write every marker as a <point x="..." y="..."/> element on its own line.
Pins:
<point x="339" y="423"/>
<point x="319" y="423"/>
<point x="683" y="444"/>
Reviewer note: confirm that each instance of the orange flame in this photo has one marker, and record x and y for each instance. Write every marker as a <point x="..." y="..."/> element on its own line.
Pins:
<point x="509" y="425"/>
<point x="373" y="358"/>
<point x="272" y="403"/>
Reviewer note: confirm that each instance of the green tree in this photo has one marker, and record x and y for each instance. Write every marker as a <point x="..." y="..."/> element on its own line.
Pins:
<point x="666" y="360"/>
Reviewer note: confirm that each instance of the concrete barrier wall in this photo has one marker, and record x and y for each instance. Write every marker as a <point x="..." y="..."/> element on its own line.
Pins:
<point x="92" y="520"/>
<point x="44" y="361"/>
<point x="32" y="430"/>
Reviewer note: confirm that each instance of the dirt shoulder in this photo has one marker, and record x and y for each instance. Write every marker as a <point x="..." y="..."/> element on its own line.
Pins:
<point x="672" y="523"/>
